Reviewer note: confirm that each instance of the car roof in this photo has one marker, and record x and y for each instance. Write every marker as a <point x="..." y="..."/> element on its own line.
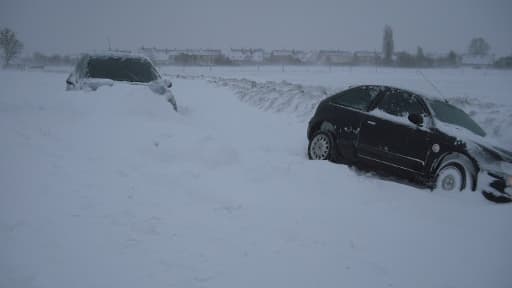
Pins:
<point x="411" y="91"/>
<point x="115" y="54"/>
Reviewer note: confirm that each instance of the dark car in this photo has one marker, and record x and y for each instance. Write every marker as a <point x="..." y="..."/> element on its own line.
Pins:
<point x="405" y="134"/>
<point x="95" y="70"/>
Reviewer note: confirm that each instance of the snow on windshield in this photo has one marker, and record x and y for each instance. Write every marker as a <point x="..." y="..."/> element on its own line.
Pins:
<point x="121" y="69"/>
<point x="452" y="115"/>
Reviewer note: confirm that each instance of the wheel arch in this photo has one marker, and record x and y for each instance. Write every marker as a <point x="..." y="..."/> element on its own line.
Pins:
<point x="322" y="126"/>
<point x="463" y="161"/>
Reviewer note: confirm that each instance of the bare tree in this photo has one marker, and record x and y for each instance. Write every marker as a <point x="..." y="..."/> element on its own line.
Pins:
<point x="388" y="44"/>
<point x="479" y="47"/>
<point x="452" y="58"/>
<point x="421" y="59"/>
<point x="10" y="45"/>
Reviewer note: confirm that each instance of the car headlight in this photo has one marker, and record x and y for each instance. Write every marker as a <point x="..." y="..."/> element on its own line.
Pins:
<point x="506" y="167"/>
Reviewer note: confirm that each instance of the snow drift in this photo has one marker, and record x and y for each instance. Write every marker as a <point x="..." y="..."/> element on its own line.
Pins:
<point x="114" y="189"/>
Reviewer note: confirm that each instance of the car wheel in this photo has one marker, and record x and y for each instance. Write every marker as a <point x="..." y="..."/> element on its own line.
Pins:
<point x="450" y="178"/>
<point x="321" y="146"/>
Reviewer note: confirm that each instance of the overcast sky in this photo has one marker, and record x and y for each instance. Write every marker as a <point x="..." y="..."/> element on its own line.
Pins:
<point x="72" y="26"/>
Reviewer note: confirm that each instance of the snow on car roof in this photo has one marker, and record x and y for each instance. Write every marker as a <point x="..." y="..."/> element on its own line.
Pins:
<point x="411" y="91"/>
<point x="115" y="54"/>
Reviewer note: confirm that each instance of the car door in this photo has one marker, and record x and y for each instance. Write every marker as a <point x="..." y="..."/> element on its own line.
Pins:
<point x="348" y="109"/>
<point x="387" y="136"/>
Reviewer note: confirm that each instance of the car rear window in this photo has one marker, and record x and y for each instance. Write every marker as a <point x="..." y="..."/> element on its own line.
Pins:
<point x="121" y="69"/>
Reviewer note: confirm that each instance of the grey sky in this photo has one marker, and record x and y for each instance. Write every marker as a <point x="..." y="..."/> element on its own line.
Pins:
<point x="70" y="26"/>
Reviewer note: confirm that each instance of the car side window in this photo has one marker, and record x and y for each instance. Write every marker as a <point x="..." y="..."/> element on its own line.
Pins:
<point x="358" y="98"/>
<point x="399" y="103"/>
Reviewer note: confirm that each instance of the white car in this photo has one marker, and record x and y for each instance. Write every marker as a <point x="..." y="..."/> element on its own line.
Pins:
<point x="95" y="70"/>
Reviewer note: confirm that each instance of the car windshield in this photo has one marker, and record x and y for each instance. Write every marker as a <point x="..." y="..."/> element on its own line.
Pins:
<point x="452" y="115"/>
<point x="122" y="69"/>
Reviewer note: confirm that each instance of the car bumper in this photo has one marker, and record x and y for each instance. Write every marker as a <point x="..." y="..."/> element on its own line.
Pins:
<point x="495" y="188"/>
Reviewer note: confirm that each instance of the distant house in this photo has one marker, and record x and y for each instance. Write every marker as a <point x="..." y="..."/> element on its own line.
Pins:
<point x="266" y="56"/>
<point x="436" y="55"/>
<point x="182" y="56"/>
<point x="158" y="56"/>
<point x="237" y="55"/>
<point x="285" y="56"/>
<point x="307" y="57"/>
<point x="335" y="57"/>
<point x="207" y="56"/>
<point x="477" y="61"/>
<point x="173" y="54"/>
<point x="440" y="59"/>
<point x="245" y="56"/>
<point x="366" y="57"/>
<point x="258" y="55"/>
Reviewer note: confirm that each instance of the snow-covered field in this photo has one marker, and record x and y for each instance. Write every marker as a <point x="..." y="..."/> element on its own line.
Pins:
<point x="114" y="189"/>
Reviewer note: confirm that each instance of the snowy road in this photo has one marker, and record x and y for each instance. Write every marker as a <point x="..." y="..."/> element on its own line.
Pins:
<point x="114" y="189"/>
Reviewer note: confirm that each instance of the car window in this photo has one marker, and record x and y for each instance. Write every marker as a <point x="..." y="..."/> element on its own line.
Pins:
<point x="400" y="103"/>
<point x="358" y="97"/>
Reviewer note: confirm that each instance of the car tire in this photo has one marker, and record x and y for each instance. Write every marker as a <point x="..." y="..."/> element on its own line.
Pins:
<point x="451" y="177"/>
<point x="321" y="147"/>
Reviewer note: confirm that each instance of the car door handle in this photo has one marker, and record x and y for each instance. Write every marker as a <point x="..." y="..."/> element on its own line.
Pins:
<point x="371" y="122"/>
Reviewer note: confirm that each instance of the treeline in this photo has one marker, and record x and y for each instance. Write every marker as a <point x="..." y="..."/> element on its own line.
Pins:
<point x="404" y="59"/>
<point x="399" y="59"/>
<point x="477" y="56"/>
<point x="40" y="59"/>
<point x="188" y="59"/>
<point x="504" y="63"/>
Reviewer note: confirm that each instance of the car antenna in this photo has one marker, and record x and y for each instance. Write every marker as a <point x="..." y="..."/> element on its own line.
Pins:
<point x="431" y="84"/>
<point x="108" y="42"/>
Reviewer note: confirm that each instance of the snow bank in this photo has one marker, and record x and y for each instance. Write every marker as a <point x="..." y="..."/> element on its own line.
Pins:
<point x="301" y="100"/>
<point x="273" y="96"/>
<point x="280" y="97"/>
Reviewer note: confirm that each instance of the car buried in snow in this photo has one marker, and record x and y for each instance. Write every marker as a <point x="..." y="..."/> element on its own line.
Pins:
<point x="104" y="69"/>
<point x="406" y="134"/>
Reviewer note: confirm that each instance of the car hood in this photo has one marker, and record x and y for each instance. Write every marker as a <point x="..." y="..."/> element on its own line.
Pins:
<point x="157" y="87"/>
<point x="95" y="83"/>
<point x="500" y="153"/>
<point x="490" y="157"/>
<point x="489" y="153"/>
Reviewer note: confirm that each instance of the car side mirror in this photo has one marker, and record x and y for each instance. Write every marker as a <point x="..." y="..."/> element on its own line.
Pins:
<point x="167" y="82"/>
<point x="69" y="81"/>
<point x="416" y="119"/>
